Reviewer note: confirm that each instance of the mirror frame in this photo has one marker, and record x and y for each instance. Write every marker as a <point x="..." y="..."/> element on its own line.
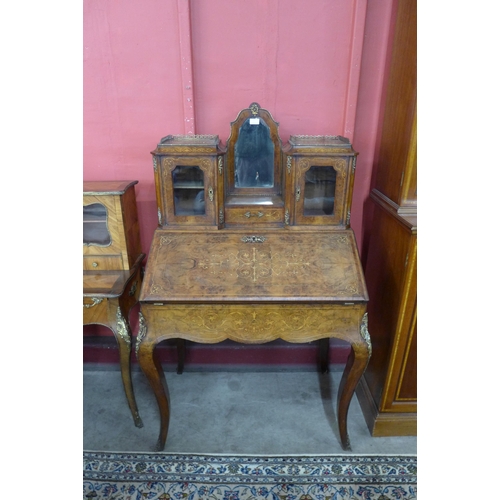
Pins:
<point x="254" y="111"/>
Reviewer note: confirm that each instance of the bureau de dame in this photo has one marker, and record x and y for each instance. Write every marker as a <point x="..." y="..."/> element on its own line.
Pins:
<point x="254" y="244"/>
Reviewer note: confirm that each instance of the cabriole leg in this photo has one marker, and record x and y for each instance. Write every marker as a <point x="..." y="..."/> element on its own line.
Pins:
<point x="121" y="330"/>
<point x="355" y="367"/>
<point x="151" y="366"/>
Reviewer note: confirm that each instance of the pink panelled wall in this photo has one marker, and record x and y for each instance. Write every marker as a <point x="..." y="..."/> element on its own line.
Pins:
<point x="284" y="55"/>
<point x="160" y="67"/>
<point x="377" y="44"/>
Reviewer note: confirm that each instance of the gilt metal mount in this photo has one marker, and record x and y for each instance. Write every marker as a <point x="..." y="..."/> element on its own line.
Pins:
<point x="254" y="108"/>
<point x="95" y="301"/>
<point x="365" y="334"/>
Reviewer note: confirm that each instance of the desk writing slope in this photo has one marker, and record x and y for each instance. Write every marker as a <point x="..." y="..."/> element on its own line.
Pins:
<point x="253" y="267"/>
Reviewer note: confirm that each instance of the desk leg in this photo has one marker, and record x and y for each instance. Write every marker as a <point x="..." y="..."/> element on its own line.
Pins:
<point x="355" y="367"/>
<point x="121" y="331"/>
<point x="324" y="355"/>
<point x="181" y="355"/>
<point x="151" y="366"/>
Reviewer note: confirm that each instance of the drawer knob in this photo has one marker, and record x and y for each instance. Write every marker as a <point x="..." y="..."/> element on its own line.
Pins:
<point x="94" y="264"/>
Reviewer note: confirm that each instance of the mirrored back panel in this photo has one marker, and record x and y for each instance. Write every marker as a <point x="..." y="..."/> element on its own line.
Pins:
<point x="254" y="154"/>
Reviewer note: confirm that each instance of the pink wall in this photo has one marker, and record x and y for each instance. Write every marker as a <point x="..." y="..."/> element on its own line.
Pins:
<point x="132" y="95"/>
<point x="378" y="34"/>
<point x="159" y="67"/>
<point x="284" y="55"/>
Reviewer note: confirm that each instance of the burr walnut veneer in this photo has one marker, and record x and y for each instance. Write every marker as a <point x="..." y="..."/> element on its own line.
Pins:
<point x="253" y="244"/>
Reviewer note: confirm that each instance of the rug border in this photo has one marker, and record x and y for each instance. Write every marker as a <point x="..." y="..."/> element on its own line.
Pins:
<point x="255" y="455"/>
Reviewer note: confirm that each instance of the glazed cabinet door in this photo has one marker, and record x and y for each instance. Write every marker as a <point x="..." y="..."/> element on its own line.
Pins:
<point x="189" y="185"/>
<point x="103" y="234"/>
<point x="320" y="190"/>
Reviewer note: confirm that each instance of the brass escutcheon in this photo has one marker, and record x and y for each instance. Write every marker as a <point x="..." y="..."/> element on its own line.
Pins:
<point x="253" y="239"/>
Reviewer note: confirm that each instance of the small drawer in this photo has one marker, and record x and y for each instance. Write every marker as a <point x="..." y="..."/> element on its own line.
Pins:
<point x="254" y="215"/>
<point x="102" y="262"/>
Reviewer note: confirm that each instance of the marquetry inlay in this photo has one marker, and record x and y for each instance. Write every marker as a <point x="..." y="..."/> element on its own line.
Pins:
<point x="170" y="163"/>
<point x="247" y="265"/>
<point x="339" y="164"/>
<point x="255" y="264"/>
<point x="255" y="324"/>
<point x="238" y="215"/>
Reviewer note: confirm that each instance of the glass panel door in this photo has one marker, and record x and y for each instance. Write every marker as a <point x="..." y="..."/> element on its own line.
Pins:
<point x="189" y="190"/>
<point x="319" y="192"/>
<point x="95" y="225"/>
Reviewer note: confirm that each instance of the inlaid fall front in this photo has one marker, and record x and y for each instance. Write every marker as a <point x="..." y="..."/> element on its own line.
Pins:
<point x="267" y="266"/>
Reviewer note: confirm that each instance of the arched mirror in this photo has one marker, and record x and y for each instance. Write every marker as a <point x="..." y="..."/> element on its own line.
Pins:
<point x="254" y="155"/>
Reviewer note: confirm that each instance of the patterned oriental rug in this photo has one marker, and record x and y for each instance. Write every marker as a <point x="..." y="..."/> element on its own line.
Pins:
<point x="164" y="476"/>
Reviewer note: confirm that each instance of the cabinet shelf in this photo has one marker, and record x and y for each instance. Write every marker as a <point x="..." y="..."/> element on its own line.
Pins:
<point x="178" y="185"/>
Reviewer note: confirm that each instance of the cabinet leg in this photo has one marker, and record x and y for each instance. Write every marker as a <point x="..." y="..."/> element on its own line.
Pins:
<point x="355" y="367"/>
<point x="123" y="338"/>
<point x="152" y="369"/>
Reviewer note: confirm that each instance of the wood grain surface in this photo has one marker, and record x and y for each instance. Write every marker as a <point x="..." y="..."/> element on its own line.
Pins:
<point x="260" y="266"/>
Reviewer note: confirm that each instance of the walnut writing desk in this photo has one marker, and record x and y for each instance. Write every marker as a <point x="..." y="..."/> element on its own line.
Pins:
<point x="253" y="245"/>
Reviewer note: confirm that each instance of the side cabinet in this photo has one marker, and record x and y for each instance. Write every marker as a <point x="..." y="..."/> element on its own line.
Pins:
<point x="188" y="178"/>
<point x="320" y="174"/>
<point x="111" y="239"/>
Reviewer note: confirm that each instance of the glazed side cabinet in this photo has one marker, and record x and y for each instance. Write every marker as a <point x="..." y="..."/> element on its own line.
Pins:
<point x="111" y="238"/>
<point x="321" y="171"/>
<point x="188" y="171"/>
